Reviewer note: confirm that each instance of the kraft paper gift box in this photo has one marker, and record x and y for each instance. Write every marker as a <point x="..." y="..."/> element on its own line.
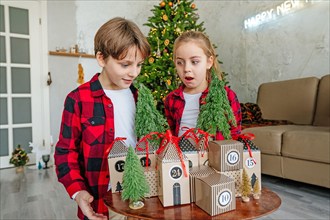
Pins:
<point x="236" y="175"/>
<point x="194" y="172"/>
<point x="151" y="176"/>
<point x="194" y="145"/>
<point x="215" y="194"/>
<point x="116" y="163"/>
<point x="141" y="151"/>
<point x="225" y="155"/>
<point x="252" y="161"/>
<point x="189" y="149"/>
<point x="173" y="175"/>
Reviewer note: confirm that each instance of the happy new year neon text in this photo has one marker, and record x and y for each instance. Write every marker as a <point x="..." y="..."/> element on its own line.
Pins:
<point x="273" y="13"/>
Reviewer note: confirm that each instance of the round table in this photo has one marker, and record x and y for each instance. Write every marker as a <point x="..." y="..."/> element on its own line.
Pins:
<point x="153" y="209"/>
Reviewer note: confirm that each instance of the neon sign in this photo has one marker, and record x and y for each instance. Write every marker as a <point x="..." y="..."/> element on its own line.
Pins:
<point x="273" y="13"/>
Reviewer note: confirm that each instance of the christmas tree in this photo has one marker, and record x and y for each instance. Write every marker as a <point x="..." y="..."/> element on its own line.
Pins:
<point x="135" y="185"/>
<point x="148" y="119"/>
<point x="170" y="19"/>
<point x="216" y="114"/>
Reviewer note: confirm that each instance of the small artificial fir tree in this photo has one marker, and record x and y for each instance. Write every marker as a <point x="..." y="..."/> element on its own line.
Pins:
<point x="216" y="114"/>
<point x="135" y="185"/>
<point x="148" y="119"/>
<point x="170" y="19"/>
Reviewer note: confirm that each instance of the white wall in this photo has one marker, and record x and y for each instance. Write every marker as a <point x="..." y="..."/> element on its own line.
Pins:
<point x="294" y="46"/>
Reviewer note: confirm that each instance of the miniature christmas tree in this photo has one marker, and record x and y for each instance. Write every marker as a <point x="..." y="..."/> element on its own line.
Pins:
<point x="135" y="185"/>
<point x="256" y="189"/>
<point x="170" y="19"/>
<point x="216" y="114"/>
<point x="148" y="119"/>
<point x="118" y="187"/>
<point x="245" y="187"/>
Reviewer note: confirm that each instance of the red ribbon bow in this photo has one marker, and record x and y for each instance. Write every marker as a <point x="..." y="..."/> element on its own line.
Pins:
<point x="169" y="138"/>
<point x="245" y="137"/>
<point x="146" y="140"/>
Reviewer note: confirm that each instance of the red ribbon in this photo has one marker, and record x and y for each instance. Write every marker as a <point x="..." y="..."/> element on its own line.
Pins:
<point x="146" y="140"/>
<point x="245" y="137"/>
<point x="169" y="138"/>
<point x="192" y="133"/>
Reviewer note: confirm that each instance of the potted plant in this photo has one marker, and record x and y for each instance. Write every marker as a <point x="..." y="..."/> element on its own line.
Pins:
<point x="19" y="158"/>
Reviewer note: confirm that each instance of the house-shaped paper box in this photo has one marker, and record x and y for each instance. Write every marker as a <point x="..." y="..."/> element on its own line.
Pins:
<point x="141" y="151"/>
<point x="173" y="184"/>
<point x="189" y="148"/>
<point x="215" y="193"/>
<point x="225" y="155"/>
<point x="116" y="162"/>
<point x="236" y="175"/>
<point x="151" y="176"/>
<point x="194" y="144"/>
<point x="252" y="164"/>
<point x="200" y="171"/>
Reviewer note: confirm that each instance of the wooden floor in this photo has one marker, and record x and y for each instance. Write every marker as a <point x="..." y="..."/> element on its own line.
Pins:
<point x="36" y="194"/>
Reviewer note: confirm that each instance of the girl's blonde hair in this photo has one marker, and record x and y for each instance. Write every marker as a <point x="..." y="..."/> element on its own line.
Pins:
<point x="117" y="36"/>
<point x="204" y="43"/>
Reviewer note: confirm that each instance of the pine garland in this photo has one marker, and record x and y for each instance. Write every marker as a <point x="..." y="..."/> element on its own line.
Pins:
<point x="148" y="119"/>
<point x="135" y="185"/>
<point x="216" y="114"/>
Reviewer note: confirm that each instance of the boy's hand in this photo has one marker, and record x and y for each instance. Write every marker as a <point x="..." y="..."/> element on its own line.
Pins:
<point x="84" y="199"/>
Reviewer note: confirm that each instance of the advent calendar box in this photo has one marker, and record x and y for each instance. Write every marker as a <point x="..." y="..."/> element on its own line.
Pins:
<point x="236" y="175"/>
<point x="145" y="149"/>
<point x="116" y="163"/>
<point x="151" y="176"/>
<point x="225" y="155"/>
<point x="173" y="184"/>
<point x="200" y="171"/>
<point x="194" y="144"/>
<point x="188" y="147"/>
<point x="252" y="165"/>
<point x="215" y="194"/>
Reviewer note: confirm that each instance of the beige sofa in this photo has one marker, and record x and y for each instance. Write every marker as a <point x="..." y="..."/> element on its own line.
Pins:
<point x="298" y="151"/>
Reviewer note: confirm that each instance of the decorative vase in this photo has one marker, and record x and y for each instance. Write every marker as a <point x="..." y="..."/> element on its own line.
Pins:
<point x="20" y="169"/>
<point x="136" y="205"/>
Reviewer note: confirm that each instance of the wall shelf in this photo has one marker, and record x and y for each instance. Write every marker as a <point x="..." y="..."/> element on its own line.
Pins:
<point x="71" y="54"/>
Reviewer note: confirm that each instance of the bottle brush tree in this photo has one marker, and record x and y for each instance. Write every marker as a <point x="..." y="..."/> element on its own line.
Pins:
<point x="148" y="119"/>
<point x="135" y="185"/>
<point x="256" y="189"/>
<point x="245" y="187"/>
<point x="216" y="114"/>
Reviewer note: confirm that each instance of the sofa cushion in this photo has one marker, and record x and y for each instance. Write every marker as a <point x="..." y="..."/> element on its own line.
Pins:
<point x="269" y="138"/>
<point x="322" y="112"/>
<point x="307" y="143"/>
<point x="293" y="100"/>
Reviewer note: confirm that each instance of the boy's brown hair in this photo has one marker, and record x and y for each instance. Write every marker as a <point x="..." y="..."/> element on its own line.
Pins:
<point x="115" y="37"/>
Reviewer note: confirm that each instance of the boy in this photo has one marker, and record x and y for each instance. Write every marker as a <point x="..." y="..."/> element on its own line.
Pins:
<point x="97" y="112"/>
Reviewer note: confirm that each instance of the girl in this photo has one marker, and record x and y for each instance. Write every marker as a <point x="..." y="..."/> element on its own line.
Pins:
<point x="194" y="57"/>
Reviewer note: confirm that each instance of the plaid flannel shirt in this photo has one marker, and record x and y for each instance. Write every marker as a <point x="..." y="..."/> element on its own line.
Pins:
<point x="174" y="106"/>
<point x="87" y="131"/>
